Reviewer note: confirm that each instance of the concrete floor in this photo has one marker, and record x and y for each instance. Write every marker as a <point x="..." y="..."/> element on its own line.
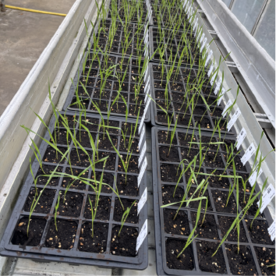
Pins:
<point x="23" y="37"/>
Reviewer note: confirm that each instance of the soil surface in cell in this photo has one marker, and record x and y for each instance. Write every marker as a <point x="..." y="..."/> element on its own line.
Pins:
<point x="44" y="203"/>
<point x="33" y="236"/>
<point x="242" y="262"/>
<point x="125" y="243"/>
<point x="97" y="243"/>
<point x="208" y="262"/>
<point x="185" y="260"/>
<point x="127" y="184"/>
<point x="103" y="207"/>
<point x="119" y="210"/>
<point x="61" y="235"/>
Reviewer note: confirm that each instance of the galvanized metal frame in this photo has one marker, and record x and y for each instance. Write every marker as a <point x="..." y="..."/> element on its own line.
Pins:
<point x="253" y="62"/>
<point x="247" y="119"/>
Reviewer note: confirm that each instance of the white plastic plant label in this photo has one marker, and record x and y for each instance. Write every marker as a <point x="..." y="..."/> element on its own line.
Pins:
<point x="213" y="78"/>
<point x="206" y="50"/>
<point x="142" y="154"/>
<point x="142" y="171"/>
<point x="144" y="116"/>
<point x="142" y="201"/>
<point x="199" y="35"/>
<point x="210" y="70"/>
<point x="203" y="44"/>
<point x="241" y="138"/>
<point x="271" y="230"/>
<point x="202" y="37"/>
<point x="248" y="154"/>
<point x="253" y="178"/>
<point x="147" y="94"/>
<point x="147" y="84"/>
<point x="208" y="57"/>
<point x="142" y="136"/>
<point x="146" y="74"/>
<point x="229" y="103"/>
<point x="142" y="235"/>
<point x="218" y="86"/>
<point x="268" y="195"/>
<point x="195" y="24"/>
<point x="233" y="119"/>
<point x="223" y="91"/>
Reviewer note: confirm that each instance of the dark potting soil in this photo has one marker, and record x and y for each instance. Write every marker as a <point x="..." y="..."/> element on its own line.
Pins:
<point x="208" y="262"/>
<point x="70" y="120"/>
<point x="80" y="158"/>
<point x="44" y="203"/>
<point x="168" y="154"/>
<point x="125" y="244"/>
<point x="52" y="156"/>
<point x="178" y="225"/>
<point x="198" y="179"/>
<point x="163" y="117"/>
<point x="33" y="237"/>
<point x="165" y="138"/>
<point x="84" y="138"/>
<point x="189" y="154"/>
<point x="97" y="243"/>
<point x="70" y="204"/>
<point x="225" y="224"/>
<point x="103" y="209"/>
<point x="258" y="232"/>
<point x="185" y="140"/>
<point x="64" y="236"/>
<point x="125" y="144"/>
<point x="213" y="159"/>
<point x="238" y="164"/>
<point x="185" y="260"/>
<point x="110" y="124"/>
<point x="71" y="183"/>
<point x="169" y="173"/>
<point x="129" y="129"/>
<point x="206" y="230"/>
<point x="104" y="142"/>
<point x="194" y="204"/>
<point x="220" y="199"/>
<point x="216" y="181"/>
<point x="171" y="193"/>
<point x="119" y="211"/>
<point x="254" y="207"/>
<point x="60" y="136"/>
<point x="127" y="186"/>
<point x="108" y="178"/>
<point x="110" y="161"/>
<point x="42" y="180"/>
<point x="241" y="262"/>
<point x="266" y="258"/>
<point x="132" y="165"/>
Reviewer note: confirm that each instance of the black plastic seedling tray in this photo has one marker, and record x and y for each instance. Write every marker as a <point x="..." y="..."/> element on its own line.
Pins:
<point x="171" y="235"/>
<point x="173" y="47"/>
<point x="176" y="95"/>
<point x="76" y="207"/>
<point x="109" y="93"/>
<point x="136" y="38"/>
<point x="143" y="15"/>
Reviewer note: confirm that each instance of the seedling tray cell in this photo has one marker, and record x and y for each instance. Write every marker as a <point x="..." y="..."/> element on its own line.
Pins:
<point x="102" y="90"/>
<point x="126" y="39"/>
<point x="74" y="242"/>
<point x="179" y="103"/>
<point x="171" y="235"/>
<point x="173" y="47"/>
